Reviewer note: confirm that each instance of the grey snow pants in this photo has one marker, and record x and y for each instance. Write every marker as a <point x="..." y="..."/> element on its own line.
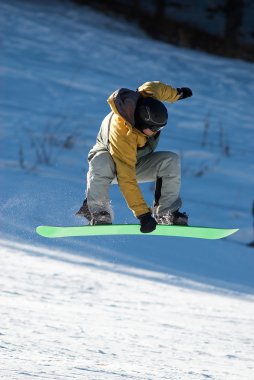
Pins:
<point x="163" y="168"/>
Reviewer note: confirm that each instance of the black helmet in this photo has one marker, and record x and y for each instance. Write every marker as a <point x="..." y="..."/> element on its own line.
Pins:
<point x="150" y="113"/>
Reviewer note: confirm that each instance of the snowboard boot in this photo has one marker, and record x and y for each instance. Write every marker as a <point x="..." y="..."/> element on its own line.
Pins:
<point x="176" y="218"/>
<point x="84" y="211"/>
<point x="102" y="217"/>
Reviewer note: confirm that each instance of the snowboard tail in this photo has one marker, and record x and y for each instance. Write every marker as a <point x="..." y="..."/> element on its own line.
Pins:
<point x="134" y="229"/>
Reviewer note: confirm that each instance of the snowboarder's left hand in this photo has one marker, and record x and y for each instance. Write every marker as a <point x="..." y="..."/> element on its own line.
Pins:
<point x="185" y="92"/>
<point x="147" y="223"/>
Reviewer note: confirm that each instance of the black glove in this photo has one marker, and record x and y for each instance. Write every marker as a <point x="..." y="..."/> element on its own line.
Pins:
<point x="185" y="92"/>
<point x="147" y="223"/>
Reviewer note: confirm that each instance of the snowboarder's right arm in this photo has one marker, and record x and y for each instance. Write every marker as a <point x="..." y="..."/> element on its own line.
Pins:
<point x="123" y="148"/>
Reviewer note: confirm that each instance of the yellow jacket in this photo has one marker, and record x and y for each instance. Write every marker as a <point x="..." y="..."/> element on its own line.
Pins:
<point x="123" y="140"/>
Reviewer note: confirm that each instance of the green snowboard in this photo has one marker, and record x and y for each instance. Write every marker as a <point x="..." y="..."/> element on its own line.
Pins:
<point x="134" y="229"/>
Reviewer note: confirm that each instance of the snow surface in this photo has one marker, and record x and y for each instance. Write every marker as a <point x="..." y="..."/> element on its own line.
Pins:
<point x="119" y="307"/>
<point x="65" y="316"/>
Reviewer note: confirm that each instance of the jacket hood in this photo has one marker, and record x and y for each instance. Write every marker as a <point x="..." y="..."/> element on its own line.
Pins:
<point x="123" y="102"/>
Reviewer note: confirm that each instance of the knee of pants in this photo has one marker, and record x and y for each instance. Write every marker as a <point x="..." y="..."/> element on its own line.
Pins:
<point x="170" y="164"/>
<point x="171" y="160"/>
<point x="102" y="165"/>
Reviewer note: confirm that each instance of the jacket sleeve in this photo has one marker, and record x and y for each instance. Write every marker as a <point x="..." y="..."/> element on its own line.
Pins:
<point x="123" y="149"/>
<point x="160" y="91"/>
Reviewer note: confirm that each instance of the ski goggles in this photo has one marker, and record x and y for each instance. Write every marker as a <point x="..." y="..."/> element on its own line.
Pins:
<point x="155" y="128"/>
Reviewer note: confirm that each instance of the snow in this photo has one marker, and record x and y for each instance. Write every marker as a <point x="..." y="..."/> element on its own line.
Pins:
<point x="119" y="307"/>
<point x="66" y="316"/>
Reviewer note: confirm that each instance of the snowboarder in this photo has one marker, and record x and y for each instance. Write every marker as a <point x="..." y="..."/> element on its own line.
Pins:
<point x="125" y="153"/>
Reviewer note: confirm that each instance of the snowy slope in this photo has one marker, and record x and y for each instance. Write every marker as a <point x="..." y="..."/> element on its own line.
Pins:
<point x="69" y="317"/>
<point x="109" y="308"/>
